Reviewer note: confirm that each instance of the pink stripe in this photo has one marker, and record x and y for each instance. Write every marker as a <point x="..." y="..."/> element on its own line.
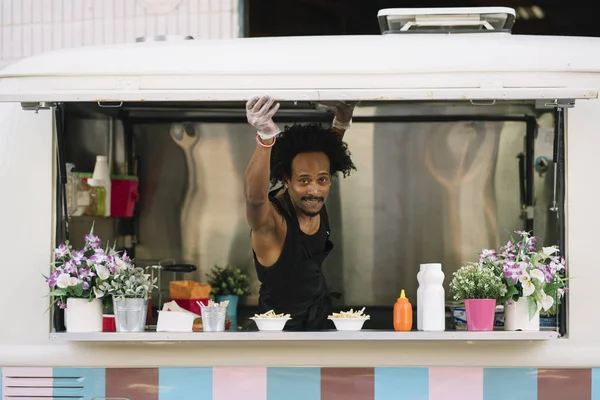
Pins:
<point x="18" y="381"/>
<point x="248" y="383"/>
<point x="464" y="383"/>
<point x="8" y="372"/>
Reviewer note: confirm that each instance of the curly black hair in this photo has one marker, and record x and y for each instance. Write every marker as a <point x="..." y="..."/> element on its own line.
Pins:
<point x="306" y="138"/>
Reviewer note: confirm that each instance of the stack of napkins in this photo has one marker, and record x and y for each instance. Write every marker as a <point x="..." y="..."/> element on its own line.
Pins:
<point x="173" y="318"/>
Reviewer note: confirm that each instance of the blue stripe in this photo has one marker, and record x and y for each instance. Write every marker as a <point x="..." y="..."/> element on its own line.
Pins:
<point x="401" y="383"/>
<point x="185" y="383"/>
<point x="89" y="383"/>
<point x="293" y="384"/>
<point x="595" y="383"/>
<point x="514" y="383"/>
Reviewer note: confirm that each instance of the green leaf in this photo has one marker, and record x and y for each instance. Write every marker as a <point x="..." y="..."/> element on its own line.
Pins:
<point x="77" y="290"/>
<point x="532" y="306"/>
<point x="58" y="292"/>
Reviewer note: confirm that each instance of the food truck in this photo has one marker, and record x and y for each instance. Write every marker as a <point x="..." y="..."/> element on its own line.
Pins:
<point x="464" y="133"/>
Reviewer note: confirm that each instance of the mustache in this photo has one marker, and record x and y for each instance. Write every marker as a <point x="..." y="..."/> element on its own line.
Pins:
<point x="312" y="198"/>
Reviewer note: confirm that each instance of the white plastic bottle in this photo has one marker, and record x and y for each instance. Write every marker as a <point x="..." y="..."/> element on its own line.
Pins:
<point x="433" y="299"/>
<point x="420" y="288"/>
<point x="101" y="177"/>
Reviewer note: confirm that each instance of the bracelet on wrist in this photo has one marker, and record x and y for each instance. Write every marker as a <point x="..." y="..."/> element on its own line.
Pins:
<point x="259" y="141"/>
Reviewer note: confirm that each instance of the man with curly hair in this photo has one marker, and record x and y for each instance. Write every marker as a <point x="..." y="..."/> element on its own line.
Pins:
<point x="289" y="225"/>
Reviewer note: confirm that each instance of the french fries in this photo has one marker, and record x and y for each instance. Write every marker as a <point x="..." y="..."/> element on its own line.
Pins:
<point x="351" y="314"/>
<point x="271" y="314"/>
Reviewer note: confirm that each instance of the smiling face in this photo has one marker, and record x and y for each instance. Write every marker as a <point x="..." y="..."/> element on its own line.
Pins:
<point x="310" y="182"/>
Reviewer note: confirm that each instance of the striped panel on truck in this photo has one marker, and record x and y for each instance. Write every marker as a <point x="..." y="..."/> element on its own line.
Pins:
<point x="274" y="383"/>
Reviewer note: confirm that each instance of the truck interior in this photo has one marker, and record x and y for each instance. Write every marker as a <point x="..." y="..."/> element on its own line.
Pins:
<point x="436" y="181"/>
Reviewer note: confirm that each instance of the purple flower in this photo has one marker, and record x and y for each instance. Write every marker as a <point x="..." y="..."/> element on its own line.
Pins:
<point x="86" y="286"/>
<point x="486" y="254"/>
<point x="561" y="291"/>
<point x="60" y="251"/>
<point x="522" y="233"/>
<point x="512" y="273"/>
<point x="507" y="251"/>
<point x="86" y="273"/>
<point x="128" y="260"/>
<point x="69" y="267"/>
<point x="92" y="241"/>
<point x="77" y="257"/>
<point x="112" y="267"/>
<point x="548" y="273"/>
<point x="62" y="305"/>
<point x="512" y="270"/>
<point x="556" y="264"/>
<point x="99" y="257"/>
<point x="51" y="280"/>
<point x="531" y="245"/>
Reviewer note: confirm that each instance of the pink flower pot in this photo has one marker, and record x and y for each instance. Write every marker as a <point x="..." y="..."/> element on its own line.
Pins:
<point x="480" y="314"/>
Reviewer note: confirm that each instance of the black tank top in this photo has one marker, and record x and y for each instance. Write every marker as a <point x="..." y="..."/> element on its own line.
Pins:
<point x="295" y="284"/>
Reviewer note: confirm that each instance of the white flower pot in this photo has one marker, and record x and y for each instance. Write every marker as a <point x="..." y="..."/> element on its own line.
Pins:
<point x="82" y="316"/>
<point x="516" y="317"/>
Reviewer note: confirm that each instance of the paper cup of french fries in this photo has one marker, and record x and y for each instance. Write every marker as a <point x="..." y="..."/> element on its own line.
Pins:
<point x="349" y="320"/>
<point x="270" y="321"/>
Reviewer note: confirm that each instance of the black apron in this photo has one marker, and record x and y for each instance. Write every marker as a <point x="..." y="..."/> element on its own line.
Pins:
<point x="295" y="284"/>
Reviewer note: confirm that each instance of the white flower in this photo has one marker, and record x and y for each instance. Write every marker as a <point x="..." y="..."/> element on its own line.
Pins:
<point x="548" y="251"/>
<point x="547" y="302"/>
<point x="63" y="280"/>
<point x="73" y="281"/>
<point x="528" y="286"/>
<point x="98" y="293"/>
<point x="103" y="272"/>
<point x="537" y="274"/>
<point x="120" y="264"/>
<point x="523" y="266"/>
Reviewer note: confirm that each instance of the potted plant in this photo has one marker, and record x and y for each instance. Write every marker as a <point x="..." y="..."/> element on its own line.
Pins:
<point x="532" y="278"/>
<point x="74" y="281"/>
<point x="229" y="284"/>
<point x="480" y="288"/>
<point x="130" y="288"/>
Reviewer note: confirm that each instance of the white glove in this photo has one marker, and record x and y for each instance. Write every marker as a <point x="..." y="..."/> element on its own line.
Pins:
<point x="259" y="112"/>
<point x="343" y="112"/>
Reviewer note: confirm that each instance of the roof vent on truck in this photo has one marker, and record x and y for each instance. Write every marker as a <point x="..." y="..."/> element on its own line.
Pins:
<point x="446" y="20"/>
<point x="163" y="38"/>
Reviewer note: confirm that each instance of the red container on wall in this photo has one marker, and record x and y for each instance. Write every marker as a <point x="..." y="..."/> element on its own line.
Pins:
<point x="124" y="195"/>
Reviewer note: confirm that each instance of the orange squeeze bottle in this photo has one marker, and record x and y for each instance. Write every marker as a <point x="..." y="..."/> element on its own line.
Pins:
<point x="403" y="318"/>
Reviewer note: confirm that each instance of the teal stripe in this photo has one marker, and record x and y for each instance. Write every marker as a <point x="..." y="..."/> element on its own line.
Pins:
<point x="293" y="384"/>
<point x="185" y="383"/>
<point x="88" y="383"/>
<point x="514" y="383"/>
<point x="401" y="383"/>
<point x="595" y="383"/>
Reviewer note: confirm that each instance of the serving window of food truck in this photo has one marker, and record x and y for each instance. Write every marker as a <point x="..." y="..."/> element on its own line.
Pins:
<point x="452" y="157"/>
